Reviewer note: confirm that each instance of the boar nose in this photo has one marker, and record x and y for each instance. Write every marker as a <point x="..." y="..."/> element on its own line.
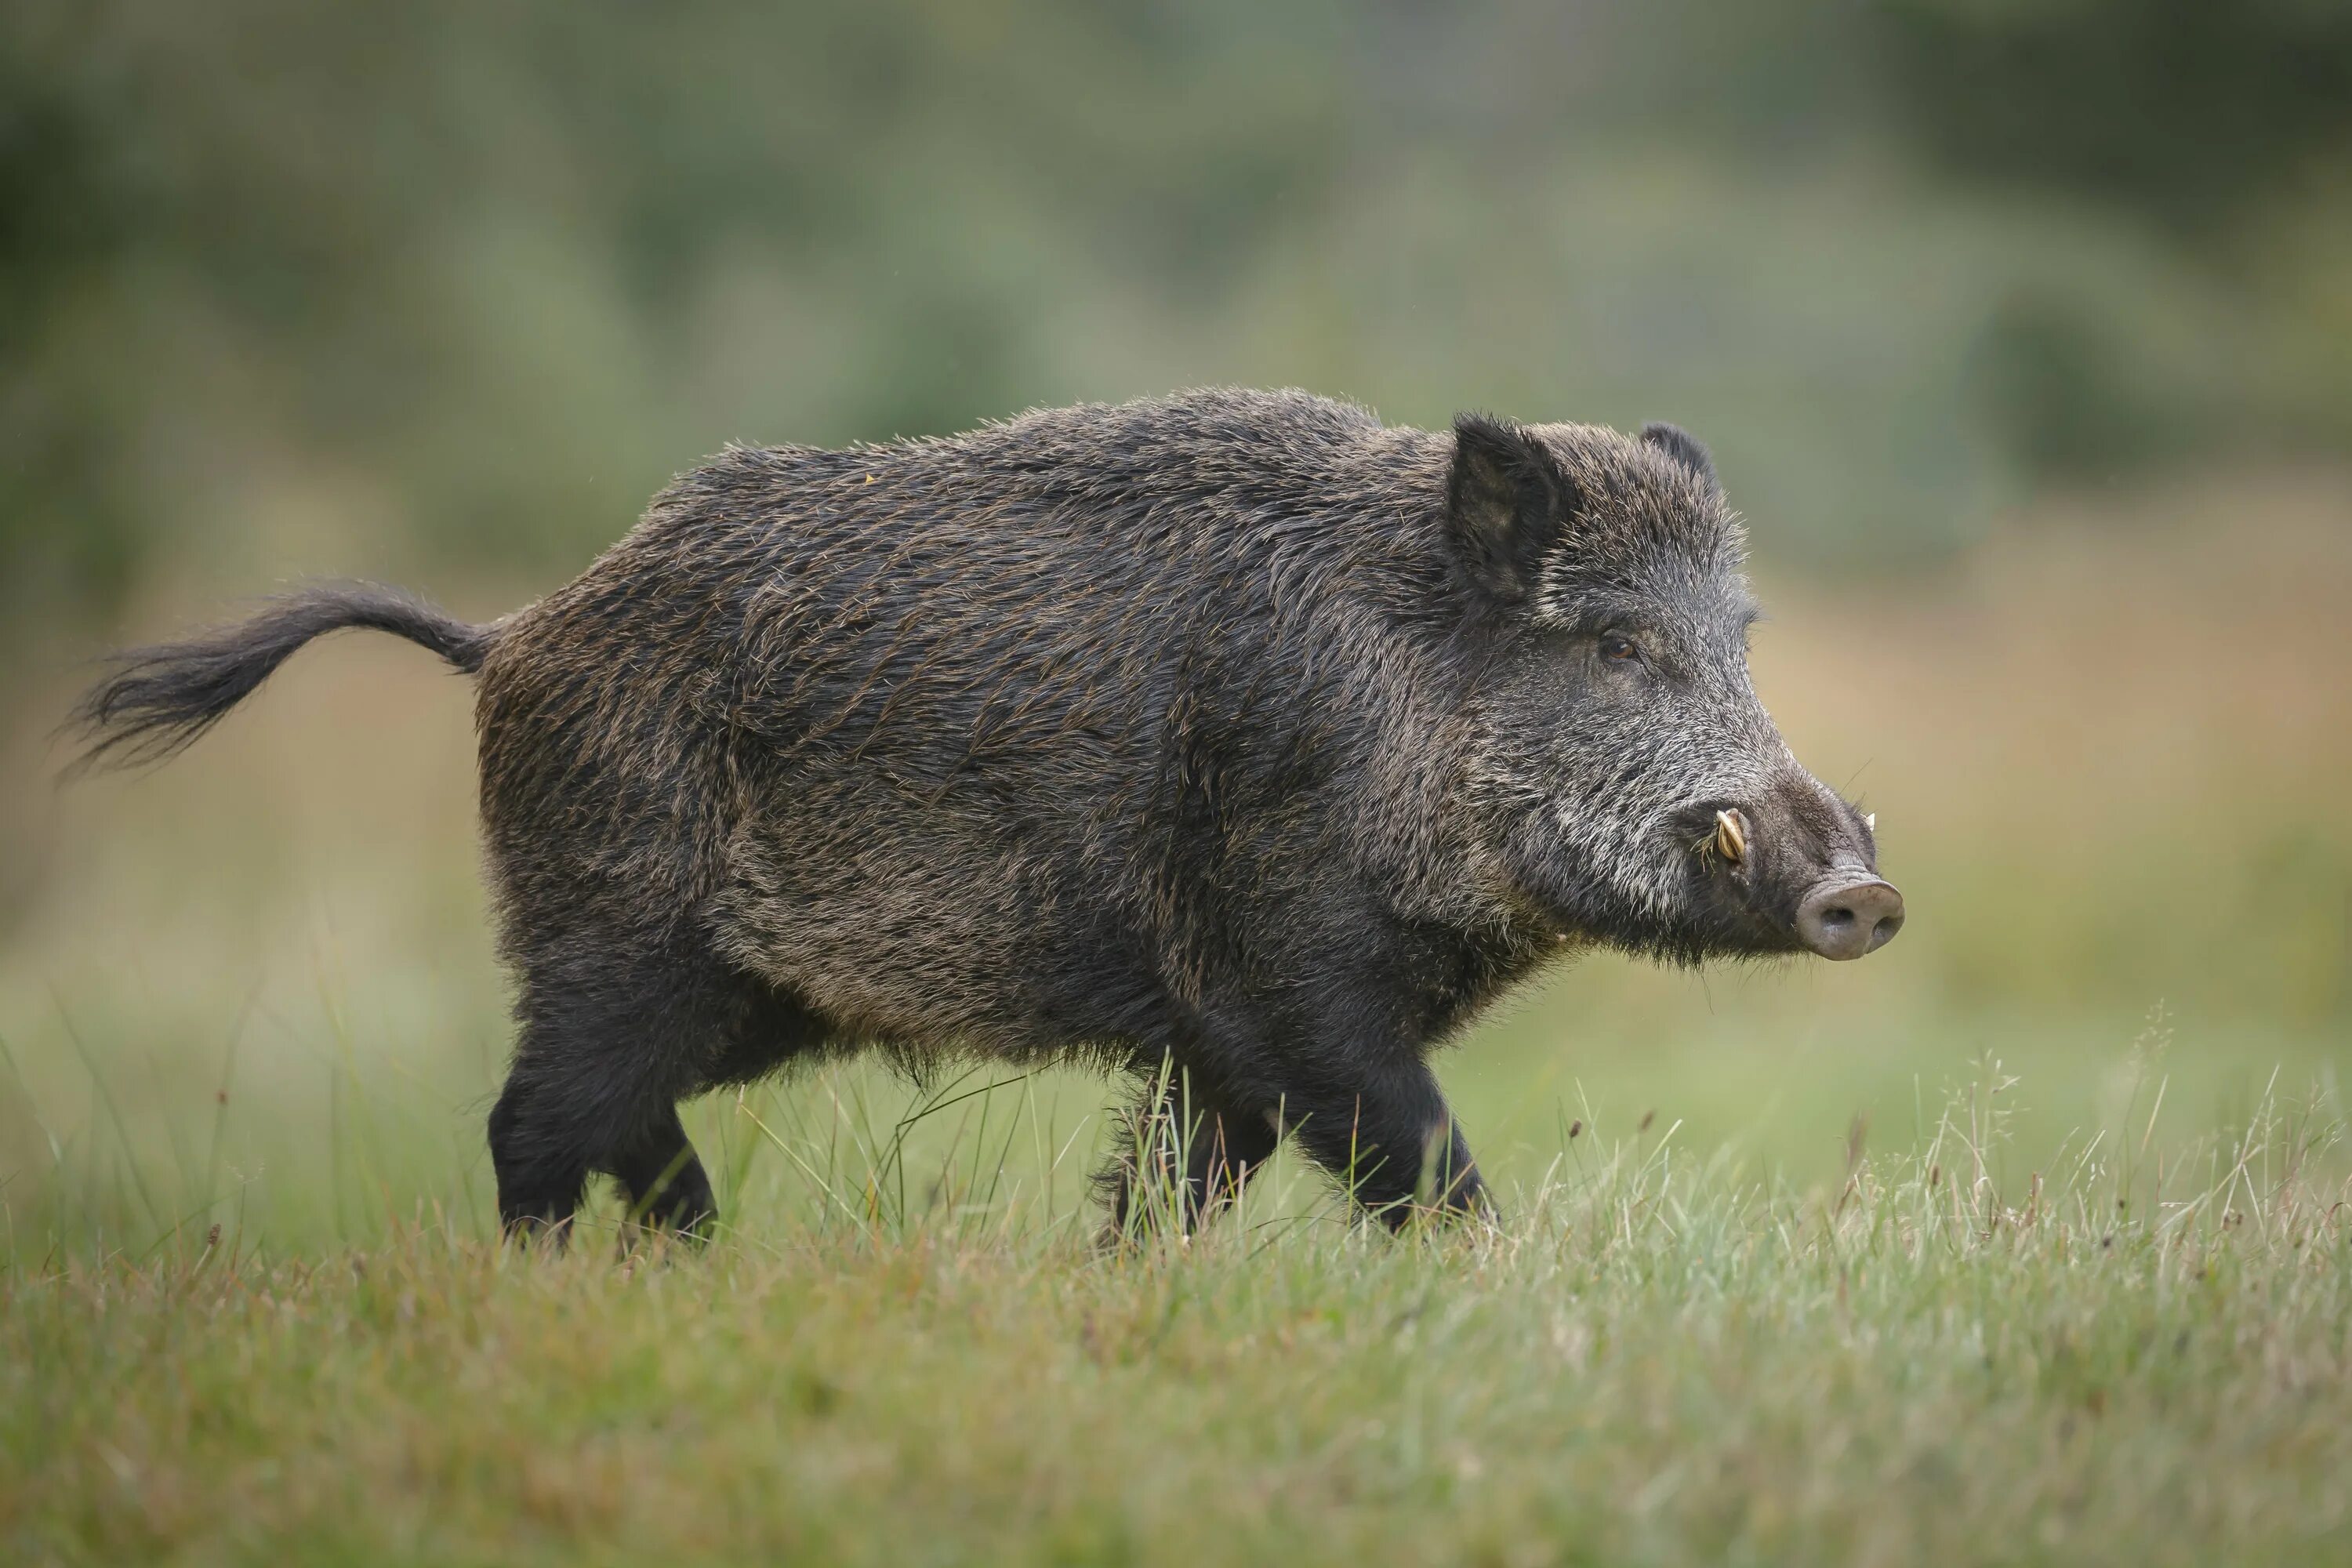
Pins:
<point x="1845" y="918"/>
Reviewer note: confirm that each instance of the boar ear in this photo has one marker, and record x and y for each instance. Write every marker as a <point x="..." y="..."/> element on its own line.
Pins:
<point x="1506" y="502"/>
<point x="1682" y="447"/>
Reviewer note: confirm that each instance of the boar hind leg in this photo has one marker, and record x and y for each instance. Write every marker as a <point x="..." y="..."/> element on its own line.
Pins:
<point x="1388" y="1137"/>
<point x="751" y="1029"/>
<point x="663" y="1180"/>
<point x="609" y="1044"/>
<point x="1221" y="1147"/>
<point x="541" y="1165"/>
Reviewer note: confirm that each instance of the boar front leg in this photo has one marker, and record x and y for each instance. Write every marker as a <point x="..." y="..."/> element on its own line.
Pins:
<point x="1182" y="1120"/>
<point x="1385" y="1132"/>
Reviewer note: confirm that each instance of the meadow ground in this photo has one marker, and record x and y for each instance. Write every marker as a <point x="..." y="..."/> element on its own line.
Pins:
<point x="1648" y="1364"/>
<point x="2027" y="1240"/>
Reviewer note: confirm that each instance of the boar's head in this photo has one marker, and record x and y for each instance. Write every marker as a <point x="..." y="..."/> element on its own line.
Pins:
<point x="1629" y="782"/>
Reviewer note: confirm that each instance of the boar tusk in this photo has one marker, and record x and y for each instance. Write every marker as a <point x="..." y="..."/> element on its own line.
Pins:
<point x="1870" y="820"/>
<point x="1731" y="836"/>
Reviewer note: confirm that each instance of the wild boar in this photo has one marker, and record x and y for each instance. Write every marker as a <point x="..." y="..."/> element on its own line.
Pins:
<point x="1233" y="740"/>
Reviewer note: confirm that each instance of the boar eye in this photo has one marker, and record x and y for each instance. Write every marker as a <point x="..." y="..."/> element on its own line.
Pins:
<point x="1618" y="649"/>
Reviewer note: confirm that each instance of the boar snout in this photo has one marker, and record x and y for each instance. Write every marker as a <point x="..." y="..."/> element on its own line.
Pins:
<point x="1844" y="917"/>
<point x="1792" y="869"/>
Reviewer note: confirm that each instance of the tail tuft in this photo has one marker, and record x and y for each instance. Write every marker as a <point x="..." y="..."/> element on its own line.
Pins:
<point x="159" y="700"/>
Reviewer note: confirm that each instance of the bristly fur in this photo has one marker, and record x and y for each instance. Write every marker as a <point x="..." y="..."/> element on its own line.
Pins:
<point x="1233" y="736"/>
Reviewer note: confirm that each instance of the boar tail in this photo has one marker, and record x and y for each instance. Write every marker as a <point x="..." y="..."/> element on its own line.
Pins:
<point x="157" y="702"/>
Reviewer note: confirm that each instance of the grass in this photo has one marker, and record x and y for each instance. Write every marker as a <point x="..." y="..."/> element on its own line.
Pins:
<point x="1791" y="1271"/>
<point x="1653" y="1359"/>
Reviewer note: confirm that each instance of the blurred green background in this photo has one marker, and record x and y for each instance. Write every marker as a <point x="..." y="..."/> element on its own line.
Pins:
<point x="2022" y="332"/>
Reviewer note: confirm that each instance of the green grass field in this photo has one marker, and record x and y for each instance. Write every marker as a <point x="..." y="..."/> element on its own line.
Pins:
<point x="1653" y="1360"/>
<point x="2029" y="1239"/>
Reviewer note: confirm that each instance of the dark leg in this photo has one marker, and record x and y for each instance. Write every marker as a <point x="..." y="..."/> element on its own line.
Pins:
<point x="1221" y="1148"/>
<point x="663" y="1181"/>
<point x="609" y="1044"/>
<point x="1388" y="1135"/>
<point x="581" y="1103"/>
<point x="540" y="1171"/>
<point x="762" y="1028"/>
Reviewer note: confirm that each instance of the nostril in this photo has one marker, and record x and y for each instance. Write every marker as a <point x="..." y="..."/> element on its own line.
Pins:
<point x="1846" y="919"/>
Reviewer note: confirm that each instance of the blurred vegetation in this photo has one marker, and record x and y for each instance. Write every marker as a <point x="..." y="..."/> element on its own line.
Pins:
<point x="2193" y="114"/>
<point x="441" y="287"/>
